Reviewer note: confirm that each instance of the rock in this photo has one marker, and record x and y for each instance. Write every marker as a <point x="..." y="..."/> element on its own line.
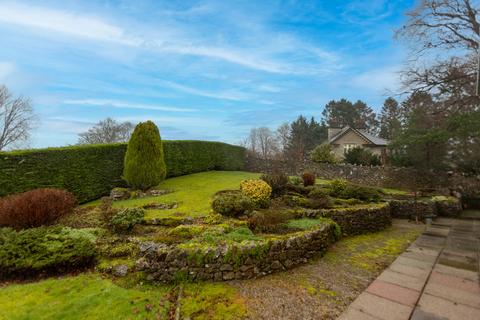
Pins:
<point x="120" y="270"/>
<point x="157" y="192"/>
<point x="228" y="276"/>
<point x="226" y="267"/>
<point x="276" y="265"/>
<point x="120" y="194"/>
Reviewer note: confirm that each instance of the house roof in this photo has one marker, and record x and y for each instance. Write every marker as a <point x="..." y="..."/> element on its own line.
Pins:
<point x="364" y="134"/>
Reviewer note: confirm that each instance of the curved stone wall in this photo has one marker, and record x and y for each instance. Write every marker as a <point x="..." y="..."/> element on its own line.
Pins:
<point x="238" y="261"/>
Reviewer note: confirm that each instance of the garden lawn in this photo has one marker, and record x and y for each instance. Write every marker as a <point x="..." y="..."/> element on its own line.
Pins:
<point x="192" y="192"/>
<point x="86" y="296"/>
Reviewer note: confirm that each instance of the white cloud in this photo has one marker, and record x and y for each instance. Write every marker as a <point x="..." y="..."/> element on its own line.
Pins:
<point x="6" y="69"/>
<point x="63" y="22"/>
<point x="125" y="105"/>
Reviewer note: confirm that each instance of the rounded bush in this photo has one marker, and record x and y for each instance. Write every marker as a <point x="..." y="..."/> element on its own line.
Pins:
<point x="232" y="204"/>
<point x="126" y="219"/>
<point x="144" y="165"/>
<point x="35" y="208"/>
<point x="258" y="191"/>
<point x="323" y="154"/>
<point x="308" y="179"/>
<point x="278" y="182"/>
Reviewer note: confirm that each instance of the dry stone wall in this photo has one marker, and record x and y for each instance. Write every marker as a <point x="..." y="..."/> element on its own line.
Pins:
<point x="238" y="261"/>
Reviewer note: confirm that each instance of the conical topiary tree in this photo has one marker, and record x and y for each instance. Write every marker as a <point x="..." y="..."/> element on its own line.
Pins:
<point x="144" y="165"/>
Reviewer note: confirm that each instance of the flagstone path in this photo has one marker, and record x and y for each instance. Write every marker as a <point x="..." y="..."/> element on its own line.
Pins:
<point x="437" y="277"/>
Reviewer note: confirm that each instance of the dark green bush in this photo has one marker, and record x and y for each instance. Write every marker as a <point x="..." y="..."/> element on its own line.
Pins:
<point x="269" y="220"/>
<point x="34" y="251"/>
<point x="361" y="156"/>
<point x="144" y="165"/>
<point x="232" y="203"/>
<point x="91" y="171"/>
<point x="278" y="182"/>
<point x="343" y="189"/>
<point x="323" y="154"/>
<point x="126" y="219"/>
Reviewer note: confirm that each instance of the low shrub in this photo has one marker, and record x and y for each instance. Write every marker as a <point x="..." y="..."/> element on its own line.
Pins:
<point x="323" y="154"/>
<point x="35" y="208"/>
<point x="126" y="219"/>
<point x="295" y="180"/>
<point x="278" y="182"/>
<point x="106" y="209"/>
<point x="269" y="220"/>
<point x="295" y="200"/>
<point x="232" y="204"/>
<point x="308" y="179"/>
<point x="361" y="156"/>
<point x="343" y="189"/>
<point x="258" y="191"/>
<point x="186" y="231"/>
<point x="34" y="251"/>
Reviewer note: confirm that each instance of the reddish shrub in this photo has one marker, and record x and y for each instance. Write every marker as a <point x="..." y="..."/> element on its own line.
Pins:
<point x="308" y="179"/>
<point x="35" y="208"/>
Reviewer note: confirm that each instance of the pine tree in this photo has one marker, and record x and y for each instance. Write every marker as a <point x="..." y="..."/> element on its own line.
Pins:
<point x="144" y="165"/>
<point x="390" y="119"/>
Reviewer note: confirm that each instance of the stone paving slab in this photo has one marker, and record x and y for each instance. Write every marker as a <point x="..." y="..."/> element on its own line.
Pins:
<point x="455" y="282"/>
<point x="443" y="309"/>
<point x="394" y="292"/>
<point x="381" y="308"/>
<point x="421" y="274"/>
<point x="460" y="273"/>
<point x="452" y="294"/>
<point x="436" y="278"/>
<point x="413" y="263"/>
<point x="401" y="279"/>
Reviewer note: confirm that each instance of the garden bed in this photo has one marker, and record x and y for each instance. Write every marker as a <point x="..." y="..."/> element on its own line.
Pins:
<point x="243" y="260"/>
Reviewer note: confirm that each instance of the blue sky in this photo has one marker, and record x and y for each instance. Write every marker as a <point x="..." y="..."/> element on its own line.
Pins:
<point x="199" y="69"/>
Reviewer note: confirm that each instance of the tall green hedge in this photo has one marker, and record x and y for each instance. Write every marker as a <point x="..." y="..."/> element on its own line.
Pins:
<point x="91" y="171"/>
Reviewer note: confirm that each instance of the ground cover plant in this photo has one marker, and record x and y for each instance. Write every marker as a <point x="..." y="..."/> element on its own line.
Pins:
<point x="42" y="250"/>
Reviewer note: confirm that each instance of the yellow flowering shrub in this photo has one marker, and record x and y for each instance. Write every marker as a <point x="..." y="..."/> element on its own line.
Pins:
<point x="257" y="190"/>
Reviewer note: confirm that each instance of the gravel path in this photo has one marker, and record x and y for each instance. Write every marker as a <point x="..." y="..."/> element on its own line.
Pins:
<point x="324" y="288"/>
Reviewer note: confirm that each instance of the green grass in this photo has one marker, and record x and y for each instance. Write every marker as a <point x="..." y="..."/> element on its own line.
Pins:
<point x="192" y="192"/>
<point x="394" y="192"/>
<point x="86" y="296"/>
<point x="304" y="224"/>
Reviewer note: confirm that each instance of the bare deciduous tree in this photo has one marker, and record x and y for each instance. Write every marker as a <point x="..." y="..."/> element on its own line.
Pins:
<point x="263" y="143"/>
<point x="442" y="24"/>
<point x="16" y="119"/>
<point x="107" y="131"/>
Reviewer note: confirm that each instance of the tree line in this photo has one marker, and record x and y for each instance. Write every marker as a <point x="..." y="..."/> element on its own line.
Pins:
<point x="434" y="122"/>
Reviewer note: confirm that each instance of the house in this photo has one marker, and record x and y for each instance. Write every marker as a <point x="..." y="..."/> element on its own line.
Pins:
<point x="346" y="138"/>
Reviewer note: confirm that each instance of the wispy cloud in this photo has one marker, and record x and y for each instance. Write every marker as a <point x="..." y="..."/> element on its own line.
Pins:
<point x="125" y="105"/>
<point x="170" y="42"/>
<point x="234" y="95"/>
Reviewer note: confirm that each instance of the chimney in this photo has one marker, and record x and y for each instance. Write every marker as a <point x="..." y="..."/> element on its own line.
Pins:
<point x="333" y="131"/>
